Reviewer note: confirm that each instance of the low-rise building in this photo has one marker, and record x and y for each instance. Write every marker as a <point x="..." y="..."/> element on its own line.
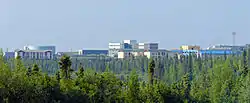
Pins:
<point x="93" y="52"/>
<point x="187" y="52"/>
<point x="140" y="52"/>
<point x="9" y="55"/>
<point x="220" y="52"/>
<point x="227" y="47"/>
<point x="114" y="49"/>
<point x="34" y="54"/>
<point x="32" y="47"/>
<point x="71" y="54"/>
<point x="129" y="53"/>
<point x="190" y="47"/>
<point x="128" y="45"/>
<point x="148" y="46"/>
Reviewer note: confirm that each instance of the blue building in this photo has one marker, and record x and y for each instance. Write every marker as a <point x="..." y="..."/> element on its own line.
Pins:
<point x="208" y="52"/>
<point x="93" y="52"/>
<point x="187" y="52"/>
<point x="9" y="55"/>
<point x="127" y="46"/>
<point x="176" y="51"/>
<point x="220" y="52"/>
<point x="184" y="52"/>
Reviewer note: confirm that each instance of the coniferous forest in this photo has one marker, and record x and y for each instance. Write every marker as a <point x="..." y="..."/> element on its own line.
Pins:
<point x="169" y="79"/>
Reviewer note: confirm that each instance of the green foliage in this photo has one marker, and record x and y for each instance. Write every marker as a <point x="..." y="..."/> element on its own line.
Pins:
<point x="80" y="72"/>
<point x="151" y="71"/>
<point x="65" y="66"/>
<point x="184" y="79"/>
<point x="35" y="68"/>
<point x="133" y="94"/>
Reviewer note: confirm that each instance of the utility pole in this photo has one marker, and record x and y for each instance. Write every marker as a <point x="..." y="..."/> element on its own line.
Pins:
<point x="233" y="47"/>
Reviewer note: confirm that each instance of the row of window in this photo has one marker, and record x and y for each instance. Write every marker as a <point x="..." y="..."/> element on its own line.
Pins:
<point x="35" y="55"/>
<point x="159" y="54"/>
<point x="189" y="52"/>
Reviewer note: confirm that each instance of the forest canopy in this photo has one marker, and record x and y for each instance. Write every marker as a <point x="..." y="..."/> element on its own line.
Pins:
<point x="187" y="79"/>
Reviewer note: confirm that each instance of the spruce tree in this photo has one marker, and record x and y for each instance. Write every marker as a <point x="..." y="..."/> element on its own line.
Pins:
<point x="151" y="68"/>
<point x="133" y="88"/>
<point x="29" y="71"/>
<point x="248" y="57"/>
<point x="190" y="67"/>
<point x="65" y="66"/>
<point x="58" y="77"/>
<point x="245" y="66"/>
<point x="186" y="86"/>
<point x="35" y="68"/>
<point x="80" y="72"/>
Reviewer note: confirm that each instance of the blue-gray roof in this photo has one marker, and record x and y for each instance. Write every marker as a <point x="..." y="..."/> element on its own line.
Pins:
<point x="219" y="52"/>
<point x="86" y="52"/>
<point x="213" y="52"/>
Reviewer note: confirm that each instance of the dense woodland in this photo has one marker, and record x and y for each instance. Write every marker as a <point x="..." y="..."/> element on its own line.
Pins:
<point x="187" y="79"/>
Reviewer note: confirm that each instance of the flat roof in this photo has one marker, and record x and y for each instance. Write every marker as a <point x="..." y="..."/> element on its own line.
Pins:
<point x="94" y="49"/>
<point x="34" y="50"/>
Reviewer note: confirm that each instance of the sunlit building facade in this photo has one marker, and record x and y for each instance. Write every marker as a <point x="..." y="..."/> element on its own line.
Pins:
<point x="34" y="54"/>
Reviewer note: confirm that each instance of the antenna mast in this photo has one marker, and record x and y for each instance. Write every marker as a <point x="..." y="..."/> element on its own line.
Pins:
<point x="234" y="34"/>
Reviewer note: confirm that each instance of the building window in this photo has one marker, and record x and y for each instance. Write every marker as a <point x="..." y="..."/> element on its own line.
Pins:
<point x="34" y="56"/>
<point x="37" y="55"/>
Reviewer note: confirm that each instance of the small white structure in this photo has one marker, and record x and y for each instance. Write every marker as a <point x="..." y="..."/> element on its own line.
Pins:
<point x="115" y="45"/>
<point x="34" y="54"/>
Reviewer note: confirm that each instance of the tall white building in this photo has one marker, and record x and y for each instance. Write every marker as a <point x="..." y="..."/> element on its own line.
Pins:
<point x="34" y="54"/>
<point x="130" y="46"/>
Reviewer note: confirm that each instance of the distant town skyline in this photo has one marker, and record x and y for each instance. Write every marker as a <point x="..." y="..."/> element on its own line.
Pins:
<point x="106" y="48"/>
<point x="93" y="24"/>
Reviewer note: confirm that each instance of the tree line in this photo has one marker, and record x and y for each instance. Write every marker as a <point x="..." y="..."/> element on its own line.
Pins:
<point x="184" y="79"/>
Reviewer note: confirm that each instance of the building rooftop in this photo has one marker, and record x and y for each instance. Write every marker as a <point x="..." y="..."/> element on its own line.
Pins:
<point x="94" y="49"/>
<point x="33" y="50"/>
<point x="218" y="52"/>
<point x="141" y="50"/>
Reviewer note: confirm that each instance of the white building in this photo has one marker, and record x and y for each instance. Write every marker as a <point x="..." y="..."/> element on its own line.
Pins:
<point x="115" y="46"/>
<point x="34" y="54"/>
<point x="148" y="53"/>
<point x="128" y="45"/>
<point x="128" y="53"/>
<point x="32" y="47"/>
<point x="132" y="44"/>
<point x="148" y="46"/>
<point x="114" y="49"/>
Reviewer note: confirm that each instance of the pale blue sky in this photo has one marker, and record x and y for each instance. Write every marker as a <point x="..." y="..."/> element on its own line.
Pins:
<point x="80" y="24"/>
